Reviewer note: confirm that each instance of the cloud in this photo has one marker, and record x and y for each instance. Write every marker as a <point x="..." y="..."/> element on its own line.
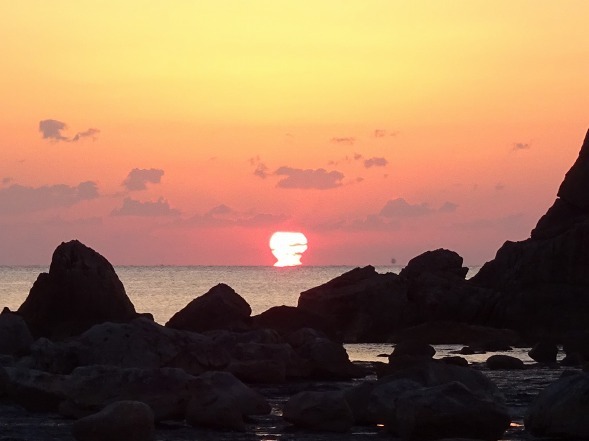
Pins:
<point x="138" y="178"/>
<point x="261" y="170"/>
<point x="51" y="129"/>
<point x="381" y="133"/>
<point x="499" y="186"/>
<point x="20" y="199"/>
<point x="401" y="208"/>
<point x="6" y="181"/>
<point x="448" y="207"/>
<point x="521" y="145"/>
<point x="347" y="140"/>
<point x="132" y="207"/>
<point x="224" y="216"/>
<point x="375" y="162"/>
<point x="319" y="179"/>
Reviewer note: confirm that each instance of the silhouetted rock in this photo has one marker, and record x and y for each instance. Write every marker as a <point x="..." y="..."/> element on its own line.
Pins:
<point x="560" y="411"/>
<point x="544" y="352"/>
<point x="448" y="410"/>
<point x="543" y="281"/>
<point x="440" y="261"/>
<point x="455" y="360"/>
<point x="321" y="411"/>
<point x="80" y="290"/>
<point x="446" y="333"/>
<point x="119" y="421"/>
<point x="220" y="308"/>
<point x="15" y="337"/>
<point x="413" y="349"/>
<point x="287" y="319"/>
<point x="495" y="362"/>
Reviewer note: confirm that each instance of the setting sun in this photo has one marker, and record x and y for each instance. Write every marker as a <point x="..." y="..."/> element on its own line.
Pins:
<point x="288" y="247"/>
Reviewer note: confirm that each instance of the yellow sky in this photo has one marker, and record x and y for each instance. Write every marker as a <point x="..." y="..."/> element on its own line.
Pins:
<point x="480" y="104"/>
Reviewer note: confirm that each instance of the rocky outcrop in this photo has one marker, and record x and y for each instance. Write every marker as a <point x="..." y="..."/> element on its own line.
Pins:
<point x="560" y="411"/>
<point x="544" y="280"/>
<point x="321" y="411"/>
<point x="287" y="319"/>
<point x="220" y="308"/>
<point x="15" y="337"/>
<point x="119" y="421"/>
<point x="80" y="290"/>
<point x="444" y="262"/>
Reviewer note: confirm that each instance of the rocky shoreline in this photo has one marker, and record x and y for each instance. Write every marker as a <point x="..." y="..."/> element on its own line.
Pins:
<point x="77" y="361"/>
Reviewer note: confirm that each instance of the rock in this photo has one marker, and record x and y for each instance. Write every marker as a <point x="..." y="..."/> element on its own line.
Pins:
<point x="321" y="411"/>
<point x="15" y="337"/>
<point x="451" y="333"/>
<point x="467" y="350"/>
<point x="55" y="357"/>
<point x="80" y="290"/>
<point x="448" y="410"/>
<point x="119" y="421"/>
<point x="438" y="261"/>
<point x="166" y="391"/>
<point x="544" y="352"/>
<point x="287" y="319"/>
<point x="549" y="268"/>
<point x="258" y="371"/>
<point x="560" y="410"/>
<point x="34" y="390"/>
<point x="572" y="359"/>
<point x="496" y="362"/>
<point x="455" y="360"/>
<point x="219" y="400"/>
<point x="220" y="308"/>
<point x="413" y="349"/>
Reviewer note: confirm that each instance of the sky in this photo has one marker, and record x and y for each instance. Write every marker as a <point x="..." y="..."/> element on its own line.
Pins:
<point x="187" y="132"/>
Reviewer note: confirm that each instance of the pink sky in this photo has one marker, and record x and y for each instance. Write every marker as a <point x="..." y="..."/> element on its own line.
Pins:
<point x="188" y="132"/>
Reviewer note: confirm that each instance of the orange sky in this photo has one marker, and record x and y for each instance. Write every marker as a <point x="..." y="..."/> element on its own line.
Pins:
<point x="380" y="129"/>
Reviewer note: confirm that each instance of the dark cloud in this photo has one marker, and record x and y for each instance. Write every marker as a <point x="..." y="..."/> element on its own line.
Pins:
<point x="448" y="207"/>
<point x="224" y="216"/>
<point x="347" y="140"/>
<point x="20" y="199"/>
<point x="6" y="181"/>
<point x="132" y="207"/>
<point x="375" y="162"/>
<point x="381" y="133"/>
<point x="401" y="208"/>
<point x="52" y="129"/>
<point x="521" y="146"/>
<point x="138" y="178"/>
<point x="319" y="179"/>
<point x="357" y="156"/>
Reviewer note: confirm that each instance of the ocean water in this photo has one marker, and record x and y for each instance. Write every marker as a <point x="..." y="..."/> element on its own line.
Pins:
<point x="164" y="290"/>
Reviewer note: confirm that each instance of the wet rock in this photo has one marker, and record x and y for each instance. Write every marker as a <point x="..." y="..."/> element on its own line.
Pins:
<point x="119" y="421"/>
<point x="544" y="352"/>
<point x="15" y="337"/>
<point x="321" y="411"/>
<point x="220" y="308"/>
<point x="560" y="411"/>
<point x="80" y="290"/>
<point x="448" y="410"/>
<point x="495" y="362"/>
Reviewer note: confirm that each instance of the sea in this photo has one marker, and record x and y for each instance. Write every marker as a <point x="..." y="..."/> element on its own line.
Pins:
<point x="164" y="290"/>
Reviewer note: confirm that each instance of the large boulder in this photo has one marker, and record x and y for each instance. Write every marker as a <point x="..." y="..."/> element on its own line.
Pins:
<point x="321" y="411"/>
<point x="15" y="337"/>
<point x="80" y="290"/>
<point x="287" y="319"/>
<point x="504" y="362"/>
<point x="560" y="410"/>
<point x="448" y="411"/>
<point x="220" y="308"/>
<point x="34" y="390"/>
<point x="544" y="352"/>
<point x="439" y="261"/>
<point x="119" y="421"/>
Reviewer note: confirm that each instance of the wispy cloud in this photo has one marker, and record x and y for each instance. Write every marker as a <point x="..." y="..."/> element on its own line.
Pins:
<point x="138" y="178"/>
<point x="375" y="162"/>
<point x="400" y="208"/>
<point x="21" y="199"/>
<point x="381" y="133"/>
<point x="224" y="216"/>
<point x="319" y="179"/>
<point x="521" y="145"/>
<point x="132" y="207"/>
<point x="52" y="129"/>
<point x="260" y="169"/>
<point x="345" y="140"/>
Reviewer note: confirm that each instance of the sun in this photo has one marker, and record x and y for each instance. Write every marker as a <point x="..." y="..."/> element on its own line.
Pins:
<point x="288" y="247"/>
